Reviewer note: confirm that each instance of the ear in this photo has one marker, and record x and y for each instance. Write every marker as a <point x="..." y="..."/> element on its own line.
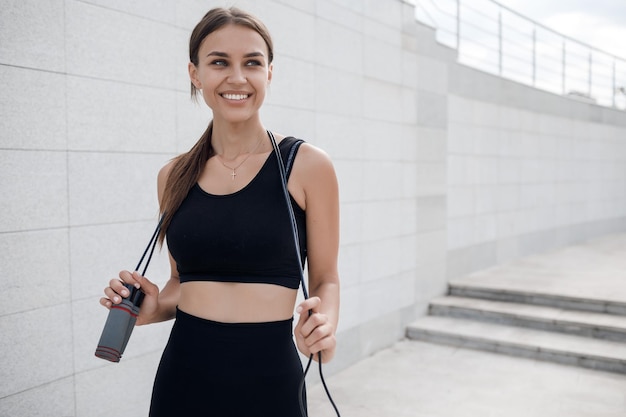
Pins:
<point x="270" y="70"/>
<point x="193" y="75"/>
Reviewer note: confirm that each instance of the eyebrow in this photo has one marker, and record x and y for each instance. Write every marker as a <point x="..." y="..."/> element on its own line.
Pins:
<point x="225" y="55"/>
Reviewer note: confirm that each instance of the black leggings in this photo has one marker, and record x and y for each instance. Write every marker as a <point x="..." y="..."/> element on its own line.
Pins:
<point x="218" y="369"/>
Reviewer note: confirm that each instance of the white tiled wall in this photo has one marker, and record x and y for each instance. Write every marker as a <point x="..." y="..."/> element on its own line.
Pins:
<point x="514" y="172"/>
<point x="96" y="99"/>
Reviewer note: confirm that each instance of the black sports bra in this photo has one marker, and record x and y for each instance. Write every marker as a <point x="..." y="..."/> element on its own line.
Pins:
<point x="241" y="237"/>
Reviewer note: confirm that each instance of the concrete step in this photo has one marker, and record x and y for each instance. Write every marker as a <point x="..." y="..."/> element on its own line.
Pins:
<point x="539" y="298"/>
<point x="581" y="351"/>
<point x="576" y="322"/>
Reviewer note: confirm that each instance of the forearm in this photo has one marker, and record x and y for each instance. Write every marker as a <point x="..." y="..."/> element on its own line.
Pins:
<point x="166" y="307"/>
<point x="328" y="292"/>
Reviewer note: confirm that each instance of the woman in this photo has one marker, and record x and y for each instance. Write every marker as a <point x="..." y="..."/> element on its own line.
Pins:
<point x="234" y="270"/>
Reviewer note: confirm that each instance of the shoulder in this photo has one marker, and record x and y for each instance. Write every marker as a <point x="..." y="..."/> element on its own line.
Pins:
<point x="314" y="174"/>
<point x="164" y="172"/>
<point x="310" y="159"/>
<point x="162" y="177"/>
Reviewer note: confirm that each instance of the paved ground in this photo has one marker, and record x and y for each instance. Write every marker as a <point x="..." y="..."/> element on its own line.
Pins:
<point x="425" y="380"/>
<point x="419" y="379"/>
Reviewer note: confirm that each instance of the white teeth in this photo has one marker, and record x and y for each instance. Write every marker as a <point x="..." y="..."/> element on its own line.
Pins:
<point x="235" y="96"/>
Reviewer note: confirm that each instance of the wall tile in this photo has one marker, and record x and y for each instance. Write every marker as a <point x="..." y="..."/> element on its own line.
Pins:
<point x="350" y="176"/>
<point x="52" y="399"/>
<point x="38" y="340"/>
<point x="431" y="178"/>
<point x="339" y="13"/>
<point x="100" y="252"/>
<point x="380" y="260"/>
<point x="34" y="270"/>
<point x="293" y="84"/>
<point x="89" y="320"/>
<point x="285" y="20"/>
<point x="431" y="110"/>
<point x="346" y="55"/>
<point x="431" y="247"/>
<point x="382" y="101"/>
<point x="109" y="116"/>
<point x="431" y="213"/>
<point x="384" y="296"/>
<point x="389" y="13"/>
<point x="37" y="184"/>
<point x="382" y="60"/>
<point x="350" y="265"/>
<point x="292" y="122"/>
<point x="338" y="92"/>
<point x="33" y="109"/>
<point x="160" y="10"/>
<point x="192" y="119"/>
<point x="95" y="388"/>
<point x="432" y="75"/>
<point x="432" y="144"/>
<point x="351" y="226"/>
<point x="32" y="35"/>
<point x="112" y="187"/>
<point x="111" y="45"/>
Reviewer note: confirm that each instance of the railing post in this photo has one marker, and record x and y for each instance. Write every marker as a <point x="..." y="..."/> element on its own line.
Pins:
<point x="500" y="42"/>
<point x="458" y="25"/>
<point x="589" y="81"/>
<point x="563" y="68"/>
<point x="614" y="89"/>
<point x="534" y="54"/>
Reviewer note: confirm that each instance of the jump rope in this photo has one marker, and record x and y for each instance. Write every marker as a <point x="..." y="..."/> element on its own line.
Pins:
<point x="294" y="230"/>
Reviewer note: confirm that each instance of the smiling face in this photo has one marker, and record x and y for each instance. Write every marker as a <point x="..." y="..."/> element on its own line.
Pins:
<point x="233" y="72"/>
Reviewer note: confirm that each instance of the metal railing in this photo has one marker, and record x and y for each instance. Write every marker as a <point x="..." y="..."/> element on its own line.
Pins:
<point x="496" y="39"/>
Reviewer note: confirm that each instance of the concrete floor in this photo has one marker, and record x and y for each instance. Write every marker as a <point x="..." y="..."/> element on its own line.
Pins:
<point x="420" y="379"/>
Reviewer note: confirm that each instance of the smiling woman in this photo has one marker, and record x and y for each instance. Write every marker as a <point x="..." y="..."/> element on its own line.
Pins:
<point x="235" y="269"/>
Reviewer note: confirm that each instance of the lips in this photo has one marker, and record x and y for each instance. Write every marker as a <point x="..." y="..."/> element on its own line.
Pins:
<point x="235" y="96"/>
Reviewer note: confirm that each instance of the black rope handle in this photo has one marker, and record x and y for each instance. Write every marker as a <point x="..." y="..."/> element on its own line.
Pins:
<point x="150" y="247"/>
<point x="136" y="294"/>
<point x="294" y="229"/>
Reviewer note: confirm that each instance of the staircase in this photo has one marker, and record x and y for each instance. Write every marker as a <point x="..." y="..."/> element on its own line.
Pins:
<point x="573" y="330"/>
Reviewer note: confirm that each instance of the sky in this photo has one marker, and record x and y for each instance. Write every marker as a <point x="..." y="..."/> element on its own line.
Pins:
<point x="599" y="23"/>
<point x="519" y="50"/>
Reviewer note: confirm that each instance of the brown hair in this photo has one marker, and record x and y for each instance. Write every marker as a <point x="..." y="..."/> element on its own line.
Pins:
<point x="187" y="167"/>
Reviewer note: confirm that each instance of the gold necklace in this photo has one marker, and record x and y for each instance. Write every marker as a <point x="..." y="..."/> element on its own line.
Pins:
<point x="234" y="173"/>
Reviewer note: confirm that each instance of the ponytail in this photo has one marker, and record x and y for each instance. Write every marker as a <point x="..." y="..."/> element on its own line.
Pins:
<point x="183" y="176"/>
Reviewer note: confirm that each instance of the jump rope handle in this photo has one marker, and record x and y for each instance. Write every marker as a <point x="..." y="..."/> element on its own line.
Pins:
<point x="296" y="239"/>
<point x="122" y="317"/>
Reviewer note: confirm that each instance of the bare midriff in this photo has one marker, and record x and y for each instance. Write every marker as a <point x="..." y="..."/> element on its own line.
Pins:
<point x="233" y="302"/>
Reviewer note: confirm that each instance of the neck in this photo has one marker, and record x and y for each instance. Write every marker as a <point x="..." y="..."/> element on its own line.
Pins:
<point x="234" y="139"/>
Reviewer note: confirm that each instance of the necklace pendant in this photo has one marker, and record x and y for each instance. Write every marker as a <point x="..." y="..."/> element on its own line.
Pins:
<point x="234" y="174"/>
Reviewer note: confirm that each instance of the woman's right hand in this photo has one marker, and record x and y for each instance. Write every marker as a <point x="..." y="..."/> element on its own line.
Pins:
<point x="116" y="291"/>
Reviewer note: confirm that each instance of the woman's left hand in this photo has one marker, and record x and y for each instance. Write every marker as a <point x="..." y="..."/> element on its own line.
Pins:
<point x="315" y="332"/>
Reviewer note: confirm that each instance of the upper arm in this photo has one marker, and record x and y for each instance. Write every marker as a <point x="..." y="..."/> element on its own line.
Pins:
<point x="161" y="181"/>
<point x="164" y="173"/>
<point x="317" y="191"/>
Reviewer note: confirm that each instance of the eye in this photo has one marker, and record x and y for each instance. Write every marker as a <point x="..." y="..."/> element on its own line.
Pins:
<point x="219" y="62"/>
<point x="253" y="63"/>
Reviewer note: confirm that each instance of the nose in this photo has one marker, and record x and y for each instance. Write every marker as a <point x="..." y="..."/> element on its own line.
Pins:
<point x="236" y="76"/>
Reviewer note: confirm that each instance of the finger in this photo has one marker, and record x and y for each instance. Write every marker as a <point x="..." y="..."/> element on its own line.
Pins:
<point x="312" y="323"/>
<point x="114" y="296"/>
<point x="145" y="284"/>
<point x="319" y="333"/>
<point x="106" y="302"/>
<point x="309" y="304"/>
<point x="129" y="278"/>
<point x="325" y="344"/>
